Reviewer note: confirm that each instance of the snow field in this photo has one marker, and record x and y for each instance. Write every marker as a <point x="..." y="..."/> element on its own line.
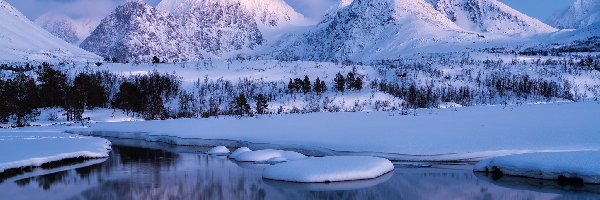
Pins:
<point x="469" y="133"/>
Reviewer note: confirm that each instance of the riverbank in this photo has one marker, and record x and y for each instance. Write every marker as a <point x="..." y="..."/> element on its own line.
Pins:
<point x="462" y="134"/>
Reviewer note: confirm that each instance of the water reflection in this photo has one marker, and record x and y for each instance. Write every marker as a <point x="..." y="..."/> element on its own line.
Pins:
<point x="550" y="186"/>
<point x="150" y="172"/>
<point x="335" y="186"/>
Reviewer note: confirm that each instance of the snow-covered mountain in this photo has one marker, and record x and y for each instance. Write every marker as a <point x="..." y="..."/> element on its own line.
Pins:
<point x="71" y="30"/>
<point x="220" y="27"/>
<point x="372" y="29"/>
<point x="136" y="32"/>
<point x="266" y="13"/>
<point x="489" y="16"/>
<point x="21" y="40"/>
<point x="581" y="14"/>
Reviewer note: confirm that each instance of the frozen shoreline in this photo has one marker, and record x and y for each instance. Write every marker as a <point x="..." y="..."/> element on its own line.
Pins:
<point x="469" y="134"/>
<point x="25" y="149"/>
<point x="576" y="167"/>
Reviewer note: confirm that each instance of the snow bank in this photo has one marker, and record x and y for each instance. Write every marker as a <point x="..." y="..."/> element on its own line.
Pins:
<point x="329" y="169"/>
<point x="470" y="133"/>
<point x="268" y="154"/>
<point x="21" y="149"/>
<point x="238" y="152"/>
<point x="582" y="165"/>
<point x="218" y="150"/>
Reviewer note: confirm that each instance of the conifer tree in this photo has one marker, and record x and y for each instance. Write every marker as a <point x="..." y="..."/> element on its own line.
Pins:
<point x="350" y="80"/>
<point x="53" y="86"/>
<point x="24" y="103"/>
<point x="306" y="85"/>
<point x="261" y="104"/>
<point x="241" y="106"/>
<point x="340" y="82"/>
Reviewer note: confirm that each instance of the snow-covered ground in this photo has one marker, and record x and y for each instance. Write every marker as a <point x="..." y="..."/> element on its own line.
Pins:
<point x="471" y="133"/>
<point x="329" y="169"/>
<point x="24" y="148"/>
<point x="582" y="165"/>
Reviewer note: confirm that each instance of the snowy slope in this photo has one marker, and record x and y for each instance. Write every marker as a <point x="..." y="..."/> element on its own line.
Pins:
<point x="581" y="14"/>
<point x="64" y="27"/>
<point x="216" y="26"/>
<point x="136" y="32"/>
<point x="367" y="30"/>
<point x="267" y="14"/>
<point x="489" y="16"/>
<point x="21" y="40"/>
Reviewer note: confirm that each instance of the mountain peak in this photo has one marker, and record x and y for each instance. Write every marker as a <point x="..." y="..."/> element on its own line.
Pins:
<point x="489" y="16"/>
<point x="22" y="40"/>
<point x="580" y="14"/>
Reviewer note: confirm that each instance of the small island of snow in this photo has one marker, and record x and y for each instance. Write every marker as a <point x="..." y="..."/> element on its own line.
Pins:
<point x="239" y="151"/>
<point x="579" y="165"/>
<point x="268" y="154"/>
<point x="218" y="150"/>
<point x="329" y="169"/>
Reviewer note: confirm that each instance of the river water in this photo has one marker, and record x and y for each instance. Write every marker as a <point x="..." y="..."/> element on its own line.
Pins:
<point x="141" y="170"/>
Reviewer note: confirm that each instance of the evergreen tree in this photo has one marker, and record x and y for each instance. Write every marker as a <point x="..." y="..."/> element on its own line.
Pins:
<point x="319" y="86"/>
<point x="350" y="81"/>
<point x="129" y="98"/>
<point x="298" y="84"/>
<point x="241" y="106"/>
<point x="155" y="59"/>
<point x="261" y="104"/>
<point x="306" y="85"/>
<point x="74" y="104"/>
<point x="53" y="86"/>
<point x="90" y="88"/>
<point x="5" y="110"/>
<point x="339" y="82"/>
<point x="291" y="86"/>
<point x="155" y="109"/>
<point x="24" y="103"/>
<point x="358" y="83"/>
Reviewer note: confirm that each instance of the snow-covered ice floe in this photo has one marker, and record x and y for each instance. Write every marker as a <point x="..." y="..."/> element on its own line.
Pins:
<point x="268" y="155"/>
<point x="218" y="150"/>
<point x="238" y="152"/>
<point x="577" y="165"/>
<point x="33" y="149"/>
<point x="329" y="169"/>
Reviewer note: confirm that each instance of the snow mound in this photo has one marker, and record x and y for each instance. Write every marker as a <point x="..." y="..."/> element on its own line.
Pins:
<point x="37" y="148"/>
<point x="329" y="169"/>
<point x="582" y="165"/>
<point x="218" y="150"/>
<point x="268" y="154"/>
<point x="239" y="151"/>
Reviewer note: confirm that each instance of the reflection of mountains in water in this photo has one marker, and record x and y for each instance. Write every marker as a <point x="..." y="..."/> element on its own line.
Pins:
<point x="539" y="185"/>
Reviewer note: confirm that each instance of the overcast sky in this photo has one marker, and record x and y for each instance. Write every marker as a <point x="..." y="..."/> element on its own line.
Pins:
<point x="540" y="9"/>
